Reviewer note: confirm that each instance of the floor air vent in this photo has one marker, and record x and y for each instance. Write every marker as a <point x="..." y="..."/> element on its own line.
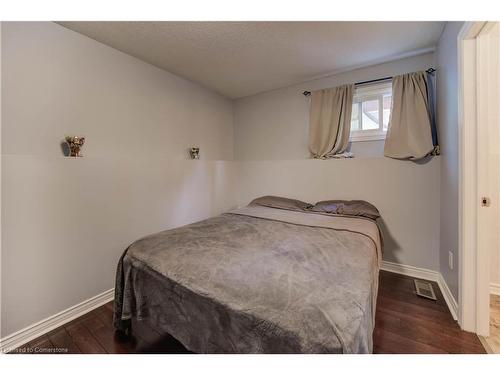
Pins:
<point x="424" y="289"/>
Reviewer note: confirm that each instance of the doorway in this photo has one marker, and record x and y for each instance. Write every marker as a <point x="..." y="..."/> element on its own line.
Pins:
<point x="479" y="57"/>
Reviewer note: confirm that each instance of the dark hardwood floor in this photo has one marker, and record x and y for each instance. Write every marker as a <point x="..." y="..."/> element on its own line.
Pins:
<point x="405" y="323"/>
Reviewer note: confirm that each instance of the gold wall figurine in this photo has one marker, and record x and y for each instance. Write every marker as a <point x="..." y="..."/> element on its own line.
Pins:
<point x="194" y="152"/>
<point x="75" y="144"/>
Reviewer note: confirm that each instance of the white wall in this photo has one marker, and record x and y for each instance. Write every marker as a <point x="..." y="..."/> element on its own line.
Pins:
<point x="60" y="82"/>
<point x="407" y="195"/>
<point x="274" y="125"/>
<point x="447" y="124"/>
<point x="65" y="221"/>
<point x="271" y="135"/>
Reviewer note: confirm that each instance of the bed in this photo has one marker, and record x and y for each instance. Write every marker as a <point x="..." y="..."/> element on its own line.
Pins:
<point x="256" y="280"/>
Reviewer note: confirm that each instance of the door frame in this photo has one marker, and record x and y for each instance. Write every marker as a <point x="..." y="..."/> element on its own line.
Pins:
<point x="473" y="255"/>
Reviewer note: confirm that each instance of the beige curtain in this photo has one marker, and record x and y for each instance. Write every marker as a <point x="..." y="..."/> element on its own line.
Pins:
<point x="409" y="135"/>
<point x="330" y="121"/>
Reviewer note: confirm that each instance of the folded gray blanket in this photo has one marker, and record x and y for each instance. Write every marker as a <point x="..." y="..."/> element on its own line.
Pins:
<point x="256" y="280"/>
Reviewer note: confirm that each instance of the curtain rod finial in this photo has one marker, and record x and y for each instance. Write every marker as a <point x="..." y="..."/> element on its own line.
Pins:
<point x="306" y="93"/>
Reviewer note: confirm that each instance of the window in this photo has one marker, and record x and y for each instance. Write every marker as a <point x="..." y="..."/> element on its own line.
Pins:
<point x="371" y="110"/>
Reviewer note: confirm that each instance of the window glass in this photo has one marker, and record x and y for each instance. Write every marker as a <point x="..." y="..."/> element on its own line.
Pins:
<point x="387" y="102"/>
<point x="371" y="111"/>
<point x="370" y="115"/>
<point x="355" y="117"/>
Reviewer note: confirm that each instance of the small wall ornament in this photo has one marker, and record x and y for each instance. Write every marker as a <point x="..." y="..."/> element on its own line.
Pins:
<point x="75" y="143"/>
<point x="194" y="152"/>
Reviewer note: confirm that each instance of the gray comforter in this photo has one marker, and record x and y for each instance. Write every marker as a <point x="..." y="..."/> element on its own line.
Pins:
<point x="256" y="280"/>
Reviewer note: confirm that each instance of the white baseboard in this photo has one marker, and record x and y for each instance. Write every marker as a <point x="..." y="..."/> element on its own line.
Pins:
<point x="422" y="273"/>
<point x="448" y="297"/>
<point x="411" y="271"/>
<point x="495" y="289"/>
<point x="30" y="333"/>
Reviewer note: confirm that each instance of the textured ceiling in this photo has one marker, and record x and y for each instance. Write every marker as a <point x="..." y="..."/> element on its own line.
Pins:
<point x="238" y="59"/>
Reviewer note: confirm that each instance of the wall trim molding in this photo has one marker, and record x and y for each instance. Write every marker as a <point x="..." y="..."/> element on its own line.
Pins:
<point x="38" y="329"/>
<point x="448" y="297"/>
<point x="425" y="274"/>
<point x="495" y="289"/>
<point x="474" y="312"/>
<point x="411" y="271"/>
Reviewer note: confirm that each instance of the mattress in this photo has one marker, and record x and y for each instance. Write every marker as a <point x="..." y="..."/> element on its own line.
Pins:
<point x="256" y="280"/>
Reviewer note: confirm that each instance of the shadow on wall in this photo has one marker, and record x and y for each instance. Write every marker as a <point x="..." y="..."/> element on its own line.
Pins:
<point x="425" y="160"/>
<point x="65" y="148"/>
<point x="389" y="245"/>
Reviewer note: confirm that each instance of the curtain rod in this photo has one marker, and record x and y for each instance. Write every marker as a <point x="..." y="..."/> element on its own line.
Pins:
<point x="429" y="71"/>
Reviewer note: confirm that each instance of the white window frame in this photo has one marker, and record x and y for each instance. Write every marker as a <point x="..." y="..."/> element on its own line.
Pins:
<point x="374" y="91"/>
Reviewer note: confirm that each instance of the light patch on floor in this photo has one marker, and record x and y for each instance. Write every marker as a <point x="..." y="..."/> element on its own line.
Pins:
<point x="492" y="343"/>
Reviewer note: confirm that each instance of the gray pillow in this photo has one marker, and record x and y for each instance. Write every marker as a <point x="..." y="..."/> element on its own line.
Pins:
<point x="280" y="202"/>
<point x="350" y="208"/>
